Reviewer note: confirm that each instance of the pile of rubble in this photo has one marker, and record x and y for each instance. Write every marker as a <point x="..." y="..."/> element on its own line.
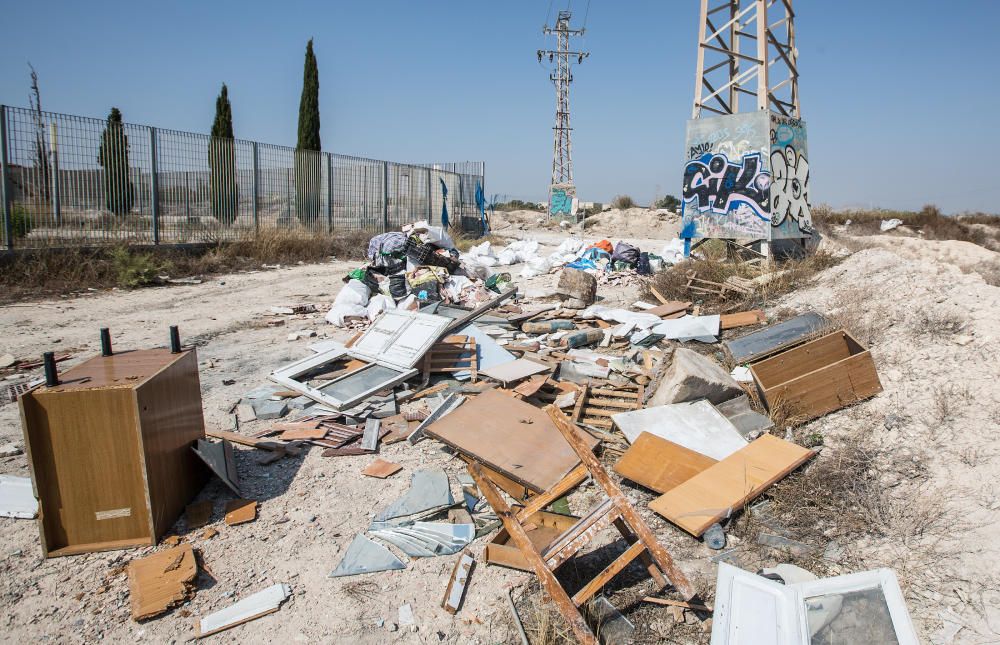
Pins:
<point x="526" y="394"/>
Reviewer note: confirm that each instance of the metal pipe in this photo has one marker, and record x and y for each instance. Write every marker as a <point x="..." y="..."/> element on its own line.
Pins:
<point x="51" y="373"/>
<point x="105" y="342"/>
<point x="175" y="340"/>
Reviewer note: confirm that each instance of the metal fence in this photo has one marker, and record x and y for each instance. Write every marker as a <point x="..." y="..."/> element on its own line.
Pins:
<point x="71" y="180"/>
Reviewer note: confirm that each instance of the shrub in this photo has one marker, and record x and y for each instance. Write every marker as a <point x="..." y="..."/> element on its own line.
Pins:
<point x="133" y="269"/>
<point x="621" y="202"/>
<point x="20" y="221"/>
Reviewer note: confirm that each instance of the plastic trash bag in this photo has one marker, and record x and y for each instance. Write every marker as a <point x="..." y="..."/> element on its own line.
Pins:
<point x="351" y="301"/>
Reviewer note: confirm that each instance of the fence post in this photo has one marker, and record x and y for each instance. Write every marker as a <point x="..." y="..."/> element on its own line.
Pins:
<point x="154" y="187"/>
<point x="329" y="193"/>
<point x="255" y="188"/>
<point x="430" y="213"/>
<point x="8" y="220"/>
<point x="385" y="196"/>
<point x="54" y="144"/>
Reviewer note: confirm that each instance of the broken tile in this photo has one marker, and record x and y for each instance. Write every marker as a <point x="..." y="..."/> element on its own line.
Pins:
<point x="268" y="409"/>
<point x="198" y="514"/>
<point x="259" y="604"/>
<point x="381" y="468"/>
<point x="366" y="556"/>
<point x="240" y="511"/>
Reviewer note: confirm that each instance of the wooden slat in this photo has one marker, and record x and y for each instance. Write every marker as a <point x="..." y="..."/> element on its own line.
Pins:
<point x="660" y="465"/>
<point x="569" y="544"/>
<point x="718" y="490"/>
<point x="545" y="576"/>
<point x="539" y="502"/>
<point x="609" y="572"/>
<point x="742" y="319"/>
<point x="621" y="394"/>
<point x="611" y="403"/>
<point x="631" y="517"/>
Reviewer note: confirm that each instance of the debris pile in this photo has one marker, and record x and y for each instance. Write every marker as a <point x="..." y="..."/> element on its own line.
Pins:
<point x="534" y="399"/>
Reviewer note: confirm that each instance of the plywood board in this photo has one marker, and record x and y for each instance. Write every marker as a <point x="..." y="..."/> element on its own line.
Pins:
<point x="240" y="511"/>
<point x="514" y="438"/>
<point x="160" y="581"/>
<point x="669" y="308"/>
<point x="695" y="425"/>
<point x="660" y="465"/>
<point x="742" y="319"/>
<point x="726" y="486"/>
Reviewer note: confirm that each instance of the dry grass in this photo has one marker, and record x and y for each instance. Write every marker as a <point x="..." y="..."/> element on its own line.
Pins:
<point x="789" y="275"/>
<point x="463" y="241"/>
<point x="33" y="274"/>
<point x="937" y="322"/>
<point x="978" y="228"/>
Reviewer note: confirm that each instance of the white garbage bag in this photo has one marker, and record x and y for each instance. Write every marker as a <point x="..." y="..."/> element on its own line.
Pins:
<point x="378" y="304"/>
<point x="351" y="301"/>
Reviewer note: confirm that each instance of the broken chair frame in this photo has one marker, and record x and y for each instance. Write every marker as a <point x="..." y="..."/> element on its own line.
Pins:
<point x="615" y="510"/>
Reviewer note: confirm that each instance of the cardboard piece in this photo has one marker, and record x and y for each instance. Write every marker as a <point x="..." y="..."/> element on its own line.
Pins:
<point x="240" y="511"/>
<point x="660" y="465"/>
<point x="511" y="437"/>
<point x="717" y="491"/>
<point x="161" y="581"/>
<point x="381" y="469"/>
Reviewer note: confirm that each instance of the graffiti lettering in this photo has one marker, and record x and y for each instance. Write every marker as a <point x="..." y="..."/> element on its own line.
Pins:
<point x="790" y="188"/>
<point x="561" y="203"/>
<point x="698" y="150"/>
<point x="713" y="183"/>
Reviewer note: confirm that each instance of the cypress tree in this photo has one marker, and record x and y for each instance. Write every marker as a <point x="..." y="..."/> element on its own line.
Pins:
<point x="113" y="157"/>
<point x="308" y="165"/>
<point x="222" y="161"/>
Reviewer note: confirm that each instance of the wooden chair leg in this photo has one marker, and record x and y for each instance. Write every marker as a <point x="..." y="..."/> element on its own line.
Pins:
<point x="548" y="579"/>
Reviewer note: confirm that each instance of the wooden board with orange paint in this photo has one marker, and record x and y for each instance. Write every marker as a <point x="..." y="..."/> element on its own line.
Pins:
<point x="742" y="319"/>
<point x="713" y="493"/>
<point x="660" y="465"/>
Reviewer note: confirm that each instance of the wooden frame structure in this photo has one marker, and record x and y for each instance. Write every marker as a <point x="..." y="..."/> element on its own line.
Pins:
<point x="595" y="406"/>
<point x="452" y="354"/>
<point x="614" y="511"/>
<point x="746" y="47"/>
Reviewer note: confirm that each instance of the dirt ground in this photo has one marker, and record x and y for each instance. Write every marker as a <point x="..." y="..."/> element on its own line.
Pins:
<point x="929" y="318"/>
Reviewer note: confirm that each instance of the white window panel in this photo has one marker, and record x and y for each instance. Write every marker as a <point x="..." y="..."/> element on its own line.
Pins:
<point x="399" y="338"/>
<point x="751" y="610"/>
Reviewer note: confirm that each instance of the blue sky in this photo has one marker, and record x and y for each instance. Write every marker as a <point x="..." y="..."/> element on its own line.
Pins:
<point x="895" y="92"/>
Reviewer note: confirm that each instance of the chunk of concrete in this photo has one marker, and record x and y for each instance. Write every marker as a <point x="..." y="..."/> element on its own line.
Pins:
<point x="267" y="409"/>
<point x="692" y="376"/>
<point x="578" y="288"/>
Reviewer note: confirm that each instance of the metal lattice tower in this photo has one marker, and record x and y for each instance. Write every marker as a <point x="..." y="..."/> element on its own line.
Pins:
<point x="562" y="76"/>
<point x="746" y="47"/>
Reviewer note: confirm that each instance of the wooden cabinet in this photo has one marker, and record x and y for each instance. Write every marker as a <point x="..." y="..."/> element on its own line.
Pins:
<point x="110" y="450"/>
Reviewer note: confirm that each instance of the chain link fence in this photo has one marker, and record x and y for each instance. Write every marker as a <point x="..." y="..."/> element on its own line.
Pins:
<point x="70" y="180"/>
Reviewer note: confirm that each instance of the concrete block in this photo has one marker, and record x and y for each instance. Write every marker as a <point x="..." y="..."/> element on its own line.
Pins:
<point x="267" y="409"/>
<point x="578" y="288"/>
<point x="692" y="376"/>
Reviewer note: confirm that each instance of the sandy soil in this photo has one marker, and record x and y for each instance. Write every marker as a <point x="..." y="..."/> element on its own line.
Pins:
<point x="311" y="506"/>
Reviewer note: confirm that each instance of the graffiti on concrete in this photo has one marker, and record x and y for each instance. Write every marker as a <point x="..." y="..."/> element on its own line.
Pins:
<point x="790" y="187"/>
<point x="562" y="198"/>
<point x="714" y="183"/>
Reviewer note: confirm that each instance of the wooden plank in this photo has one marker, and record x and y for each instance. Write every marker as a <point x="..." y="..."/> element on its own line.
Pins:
<point x="742" y="319"/>
<point x="303" y="433"/>
<point x="539" y="502"/>
<point x="583" y="532"/>
<point x="658" y="295"/>
<point x="455" y="591"/>
<point x="669" y="308"/>
<point x="513" y="438"/>
<point x="609" y="572"/>
<point x="631" y="517"/>
<point x="660" y="465"/>
<point x="677" y="603"/>
<point x="547" y="579"/>
<point x="517" y="491"/>
<point x="549" y="526"/>
<point x="726" y="486"/>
